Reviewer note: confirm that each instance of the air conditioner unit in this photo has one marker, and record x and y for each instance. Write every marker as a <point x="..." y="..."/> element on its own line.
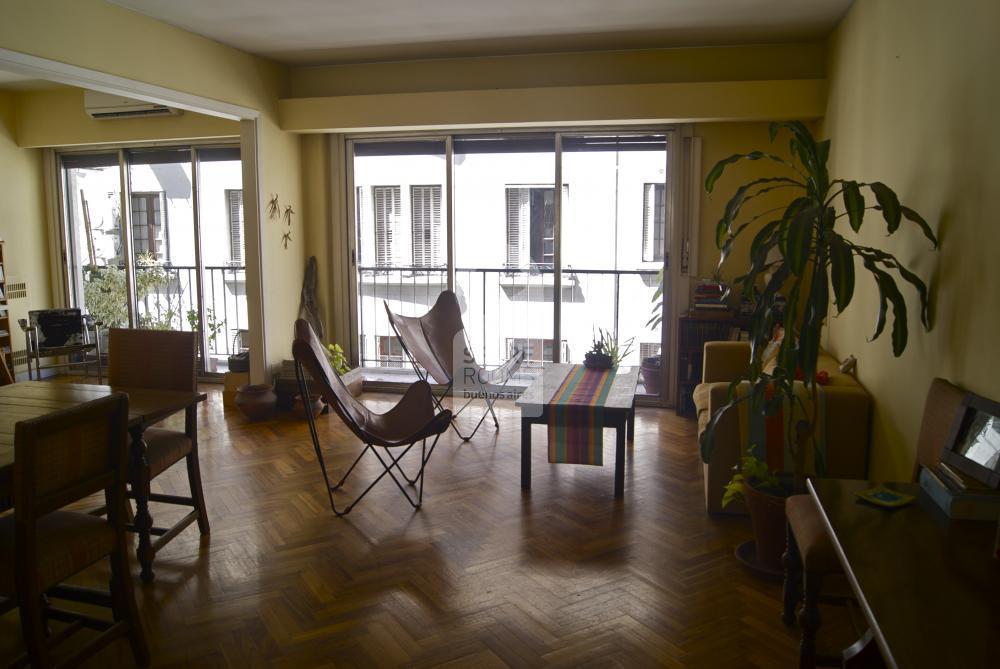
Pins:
<point x="107" y="106"/>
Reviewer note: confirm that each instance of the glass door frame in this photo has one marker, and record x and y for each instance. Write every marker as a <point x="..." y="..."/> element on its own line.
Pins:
<point x="671" y="241"/>
<point x="125" y="225"/>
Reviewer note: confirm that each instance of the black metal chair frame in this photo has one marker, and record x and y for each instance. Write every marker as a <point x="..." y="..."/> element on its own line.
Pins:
<point x="34" y="352"/>
<point x="512" y="365"/>
<point x="388" y="463"/>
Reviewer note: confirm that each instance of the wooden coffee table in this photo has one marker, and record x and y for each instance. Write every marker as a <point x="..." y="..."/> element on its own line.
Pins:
<point x="619" y="413"/>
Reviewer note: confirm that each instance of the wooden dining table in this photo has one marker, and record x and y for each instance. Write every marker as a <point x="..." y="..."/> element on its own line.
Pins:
<point x="32" y="399"/>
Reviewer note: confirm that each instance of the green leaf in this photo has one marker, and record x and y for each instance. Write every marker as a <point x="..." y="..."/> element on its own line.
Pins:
<point x="720" y="167"/>
<point x="809" y="334"/>
<point x="918" y="219"/>
<point x="799" y="242"/>
<point x="889" y="203"/>
<point x="915" y="281"/>
<point x="889" y="291"/>
<point x="891" y="262"/>
<point x="854" y="203"/>
<point x="721" y="232"/>
<point x="841" y="272"/>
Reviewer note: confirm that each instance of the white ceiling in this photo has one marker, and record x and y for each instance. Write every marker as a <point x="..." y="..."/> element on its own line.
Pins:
<point x="332" y="31"/>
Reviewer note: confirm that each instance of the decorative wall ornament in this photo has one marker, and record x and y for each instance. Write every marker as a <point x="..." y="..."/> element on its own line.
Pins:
<point x="275" y="213"/>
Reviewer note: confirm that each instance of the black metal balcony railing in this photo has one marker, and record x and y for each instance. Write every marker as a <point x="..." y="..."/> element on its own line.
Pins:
<point x="498" y="305"/>
<point x="224" y="288"/>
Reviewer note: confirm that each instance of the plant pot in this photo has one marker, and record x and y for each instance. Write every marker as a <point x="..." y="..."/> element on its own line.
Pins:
<point x="597" y="361"/>
<point x="315" y="404"/>
<point x="651" y="373"/>
<point x="767" y="516"/>
<point x="256" y="402"/>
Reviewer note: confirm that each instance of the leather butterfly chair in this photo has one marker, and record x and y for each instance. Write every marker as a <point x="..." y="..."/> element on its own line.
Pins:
<point x="412" y="420"/>
<point x="60" y="458"/>
<point x="810" y="555"/>
<point x="162" y="360"/>
<point x="429" y="342"/>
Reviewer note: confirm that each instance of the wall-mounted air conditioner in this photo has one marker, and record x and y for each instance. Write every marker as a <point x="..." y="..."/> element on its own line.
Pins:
<point x="106" y="106"/>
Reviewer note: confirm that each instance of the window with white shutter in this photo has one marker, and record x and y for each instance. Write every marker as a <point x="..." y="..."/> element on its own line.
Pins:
<point x="234" y="200"/>
<point x="386" y="205"/>
<point x="653" y="222"/>
<point x="531" y="225"/>
<point x="518" y="225"/>
<point x="425" y="215"/>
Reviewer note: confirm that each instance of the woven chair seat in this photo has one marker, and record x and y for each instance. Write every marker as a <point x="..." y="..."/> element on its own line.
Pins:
<point x="164" y="448"/>
<point x="68" y="542"/>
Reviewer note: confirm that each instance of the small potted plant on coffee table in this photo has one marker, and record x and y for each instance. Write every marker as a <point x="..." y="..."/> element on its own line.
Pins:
<point x="606" y="353"/>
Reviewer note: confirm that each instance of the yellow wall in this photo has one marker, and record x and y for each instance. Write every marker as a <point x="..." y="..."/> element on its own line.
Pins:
<point x="719" y="141"/>
<point x="22" y="226"/>
<point x="103" y="37"/>
<point x="603" y="104"/>
<point x="913" y="102"/>
<point x="599" y="68"/>
<point x="56" y="117"/>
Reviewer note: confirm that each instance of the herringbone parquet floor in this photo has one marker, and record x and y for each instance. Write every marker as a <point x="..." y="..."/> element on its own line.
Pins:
<point x="482" y="576"/>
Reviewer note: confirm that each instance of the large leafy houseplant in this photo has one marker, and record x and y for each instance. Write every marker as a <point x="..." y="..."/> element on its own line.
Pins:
<point x="795" y="259"/>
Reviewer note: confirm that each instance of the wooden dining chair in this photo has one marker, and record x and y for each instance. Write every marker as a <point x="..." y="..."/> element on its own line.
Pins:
<point x="60" y="458"/>
<point x="161" y="360"/>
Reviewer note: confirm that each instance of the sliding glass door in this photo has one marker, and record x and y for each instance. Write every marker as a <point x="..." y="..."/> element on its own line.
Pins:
<point x="555" y="238"/>
<point x="612" y="240"/>
<point x="399" y="216"/>
<point x="166" y="255"/>
<point x="505" y="245"/>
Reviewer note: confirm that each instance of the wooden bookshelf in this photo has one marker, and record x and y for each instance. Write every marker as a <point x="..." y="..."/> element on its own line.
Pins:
<point x="693" y="330"/>
<point x="6" y="348"/>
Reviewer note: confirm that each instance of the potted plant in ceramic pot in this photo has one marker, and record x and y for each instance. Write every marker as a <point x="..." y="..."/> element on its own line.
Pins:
<point x="605" y="352"/>
<point x="796" y="262"/>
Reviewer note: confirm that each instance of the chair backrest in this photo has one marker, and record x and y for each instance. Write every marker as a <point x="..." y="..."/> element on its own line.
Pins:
<point x="65" y="455"/>
<point x="943" y="403"/>
<point x="154" y="359"/>
<point x="430" y="339"/>
<point x="58" y="327"/>
<point x="308" y="351"/>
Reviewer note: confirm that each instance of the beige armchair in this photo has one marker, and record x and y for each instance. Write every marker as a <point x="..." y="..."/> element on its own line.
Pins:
<point x="848" y="409"/>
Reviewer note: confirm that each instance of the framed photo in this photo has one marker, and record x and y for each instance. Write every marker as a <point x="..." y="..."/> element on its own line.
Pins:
<point x="974" y="443"/>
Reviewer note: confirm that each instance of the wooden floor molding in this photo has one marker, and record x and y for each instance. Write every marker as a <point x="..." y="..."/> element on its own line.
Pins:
<point x="483" y="575"/>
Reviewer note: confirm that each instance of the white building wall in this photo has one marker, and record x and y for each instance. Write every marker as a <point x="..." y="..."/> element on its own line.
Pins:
<point x="602" y="230"/>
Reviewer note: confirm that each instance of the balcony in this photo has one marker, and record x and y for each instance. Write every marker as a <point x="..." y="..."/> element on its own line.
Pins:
<point x="504" y="308"/>
<point x="173" y="305"/>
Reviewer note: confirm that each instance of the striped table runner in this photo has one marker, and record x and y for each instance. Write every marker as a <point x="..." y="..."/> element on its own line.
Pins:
<point x="576" y="416"/>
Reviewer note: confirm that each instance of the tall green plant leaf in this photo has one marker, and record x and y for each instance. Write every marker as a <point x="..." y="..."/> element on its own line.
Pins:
<point x="919" y="220"/>
<point x="889" y="203"/>
<point x="889" y="291"/>
<point x="854" y="203"/>
<point x="720" y="167"/>
<point x="800" y="234"/>
<point x="841" y="271"/>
